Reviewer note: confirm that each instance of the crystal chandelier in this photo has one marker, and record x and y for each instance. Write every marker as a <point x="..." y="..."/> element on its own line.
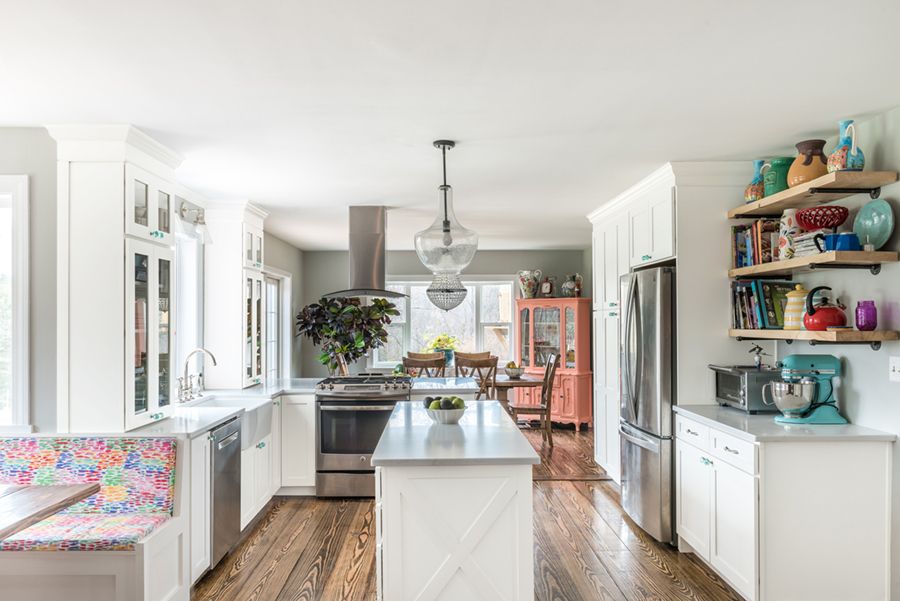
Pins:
<point x="446" y="246"/>
<point x="446" y="291"/>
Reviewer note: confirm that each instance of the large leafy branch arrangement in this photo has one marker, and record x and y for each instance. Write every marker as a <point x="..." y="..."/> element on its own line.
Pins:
<point x="345" y="328"/>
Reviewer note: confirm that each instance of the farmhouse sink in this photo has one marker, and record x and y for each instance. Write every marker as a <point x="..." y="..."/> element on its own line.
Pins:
<point x="256" y="423"/>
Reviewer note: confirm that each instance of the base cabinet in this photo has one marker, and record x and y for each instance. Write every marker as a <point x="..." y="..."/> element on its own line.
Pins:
<point x="298" y="440"/>
<point x="201" y="463"/>
<point x="256" y="479"/>
<point x="775" y="523"/>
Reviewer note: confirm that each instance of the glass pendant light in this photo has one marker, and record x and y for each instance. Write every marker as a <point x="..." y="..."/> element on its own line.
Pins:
<point x="446" y="247"/>
<point x="446" y="291"/>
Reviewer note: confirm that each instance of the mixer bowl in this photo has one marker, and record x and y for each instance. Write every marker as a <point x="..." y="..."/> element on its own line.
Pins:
<point x="793" y="398"/>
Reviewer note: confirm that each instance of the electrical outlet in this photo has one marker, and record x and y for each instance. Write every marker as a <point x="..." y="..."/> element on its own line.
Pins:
<point x="894" y="367"/>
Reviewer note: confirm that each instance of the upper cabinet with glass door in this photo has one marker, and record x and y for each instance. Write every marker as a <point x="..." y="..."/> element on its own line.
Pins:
<point x="149" y="276"/>
<point x="555" y="326"/>
<point x="149" y="205"/>
<point x="253" y="247"/>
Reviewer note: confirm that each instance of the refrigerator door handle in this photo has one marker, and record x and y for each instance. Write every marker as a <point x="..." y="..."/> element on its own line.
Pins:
<point x="626" y="347"/>
<point x="644" y="443"/>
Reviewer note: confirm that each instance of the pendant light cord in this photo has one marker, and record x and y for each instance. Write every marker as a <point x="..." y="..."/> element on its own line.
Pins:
<point x="444" y="189"/>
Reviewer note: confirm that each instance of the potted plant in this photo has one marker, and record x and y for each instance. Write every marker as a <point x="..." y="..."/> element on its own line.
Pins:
<point x="345" y="329"/>
<point x="443" y="343"/>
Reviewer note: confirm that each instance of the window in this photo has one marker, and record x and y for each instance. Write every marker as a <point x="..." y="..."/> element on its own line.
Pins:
<point x="14" y="412"/>
<point x="189" y="299"/>
<point x="483" y="322"/>
<point x="273" y="328"/>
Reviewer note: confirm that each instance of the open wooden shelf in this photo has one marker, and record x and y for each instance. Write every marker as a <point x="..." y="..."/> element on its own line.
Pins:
<point x="835" y="259"/>
<point x="815" y="192"/>
<point x="874" y="338"/>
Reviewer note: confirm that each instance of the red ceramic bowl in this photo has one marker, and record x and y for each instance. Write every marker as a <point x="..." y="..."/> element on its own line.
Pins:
<point x="816" y="218"/>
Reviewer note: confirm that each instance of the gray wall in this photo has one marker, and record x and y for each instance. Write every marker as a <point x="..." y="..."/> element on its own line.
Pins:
<point x="867" y="397"/>
<point x="326" y="271"/>
<point x="31" y="151"/>
<point x="281" y="255"/>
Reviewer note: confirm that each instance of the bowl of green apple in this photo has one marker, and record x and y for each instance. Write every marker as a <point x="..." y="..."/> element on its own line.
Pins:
<point x="445" y="410"/>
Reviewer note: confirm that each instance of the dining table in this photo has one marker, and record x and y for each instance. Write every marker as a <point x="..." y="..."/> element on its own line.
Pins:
<point x="24" y="506"/>
<point x="503" y="384"/>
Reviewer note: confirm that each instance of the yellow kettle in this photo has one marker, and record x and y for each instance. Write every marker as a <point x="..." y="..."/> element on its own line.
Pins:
<point x="796" y="305"/>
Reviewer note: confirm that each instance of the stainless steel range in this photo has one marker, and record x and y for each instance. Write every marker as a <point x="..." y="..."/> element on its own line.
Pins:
<point x="351" y="413"/>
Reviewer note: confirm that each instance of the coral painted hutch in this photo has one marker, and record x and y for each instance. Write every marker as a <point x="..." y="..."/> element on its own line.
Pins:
<point x="560" y="326"/>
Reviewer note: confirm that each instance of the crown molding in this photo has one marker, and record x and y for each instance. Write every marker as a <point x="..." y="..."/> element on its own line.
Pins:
<point x="111" y="143"/>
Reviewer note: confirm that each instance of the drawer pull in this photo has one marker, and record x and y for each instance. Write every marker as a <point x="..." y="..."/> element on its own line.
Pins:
<point x="691" y="432"/>
<point x="728" y="449"/>
<point x="705" y="461"/>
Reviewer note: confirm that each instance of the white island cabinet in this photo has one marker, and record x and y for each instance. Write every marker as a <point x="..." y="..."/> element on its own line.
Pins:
<point x="453" y="508"/>
<point x="785" y="513"/>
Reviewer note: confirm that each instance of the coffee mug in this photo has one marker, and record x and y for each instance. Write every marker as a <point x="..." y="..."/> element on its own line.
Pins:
<point x="842" y="241"/>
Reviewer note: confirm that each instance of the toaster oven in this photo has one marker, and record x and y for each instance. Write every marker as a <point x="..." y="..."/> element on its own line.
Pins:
<point x="741" y="386"/>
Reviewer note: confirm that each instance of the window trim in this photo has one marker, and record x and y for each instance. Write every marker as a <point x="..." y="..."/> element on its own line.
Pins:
<point x="479" y="280"/>
<point x="285" y="318"/>
<point x="16" y="187"/>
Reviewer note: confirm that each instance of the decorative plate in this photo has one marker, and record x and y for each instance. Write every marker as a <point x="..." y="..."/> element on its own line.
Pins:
<point x="874" y="223"/>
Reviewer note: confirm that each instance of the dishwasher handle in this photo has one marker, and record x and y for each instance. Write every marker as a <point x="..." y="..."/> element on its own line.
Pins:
<point x="228" y="440"/>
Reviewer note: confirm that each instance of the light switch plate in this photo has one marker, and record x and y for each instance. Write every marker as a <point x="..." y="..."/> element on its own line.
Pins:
<point x="894" y="368"/>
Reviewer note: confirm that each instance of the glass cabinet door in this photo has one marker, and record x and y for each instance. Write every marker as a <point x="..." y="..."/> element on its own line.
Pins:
<point x="141" y="325"/>
<point x="141" y="209"/>
<point x="258" y="325"/>
<point x="164" y="330"/>
<point x="163" y="212"/>
<point x="525" y="342"/>
<point x="149" y="208"/>
<point x="248" y="317"/>
<point x="569" y="362"/>
<point x="546" y="334"/>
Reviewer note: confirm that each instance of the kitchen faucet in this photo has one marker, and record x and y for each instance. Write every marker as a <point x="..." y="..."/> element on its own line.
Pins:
<point x="186" y="383"/>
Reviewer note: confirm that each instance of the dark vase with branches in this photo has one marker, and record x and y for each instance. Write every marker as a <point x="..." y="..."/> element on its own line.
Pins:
<point x="345" y="329"/>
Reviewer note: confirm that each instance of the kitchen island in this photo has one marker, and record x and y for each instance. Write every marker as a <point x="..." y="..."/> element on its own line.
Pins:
<point x="453" y="507"/>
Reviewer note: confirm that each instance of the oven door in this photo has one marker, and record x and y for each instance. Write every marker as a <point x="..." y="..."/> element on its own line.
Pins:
<point x="349" y="431"/>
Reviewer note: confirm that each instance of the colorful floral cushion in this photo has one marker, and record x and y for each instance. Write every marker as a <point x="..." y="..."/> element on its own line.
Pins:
<point x="136" y="475"/>
<point x="85" y="532"/>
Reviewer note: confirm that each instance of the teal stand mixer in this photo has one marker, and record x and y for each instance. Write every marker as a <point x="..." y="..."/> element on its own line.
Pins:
<point x="806" y="394"/>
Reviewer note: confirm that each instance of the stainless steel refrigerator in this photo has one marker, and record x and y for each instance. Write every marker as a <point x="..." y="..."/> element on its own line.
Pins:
<point x="647" y="372"/>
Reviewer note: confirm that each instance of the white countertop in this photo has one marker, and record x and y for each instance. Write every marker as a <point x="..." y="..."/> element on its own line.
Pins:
<point x="189" y="421"/>
<point x="764" y="428"/>
<point x="444" y="385"/>
<point x="486" y="435"/>
<point x="271" y="388"/>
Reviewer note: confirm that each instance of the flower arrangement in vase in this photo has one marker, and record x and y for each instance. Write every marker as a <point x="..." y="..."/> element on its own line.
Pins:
<point x="443" y="343"/>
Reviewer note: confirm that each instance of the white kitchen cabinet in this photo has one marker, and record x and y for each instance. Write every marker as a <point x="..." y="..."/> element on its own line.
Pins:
<point x="298" y="440"/>
<point x="201" y="463"/>
<point x="253" y="246"/>
<point x="149" y="205"/>
<point x="770" y="517"/>
<point x="256" y="479"/>
<point x="651" y="224"/>
<point x="732" y="549"/>
<point x="693" y="497"/>
<point x="149" y="347"/>
<point x="275" y="477"/>
<point x="255" y="323"/>
<point x="234" y="296"/>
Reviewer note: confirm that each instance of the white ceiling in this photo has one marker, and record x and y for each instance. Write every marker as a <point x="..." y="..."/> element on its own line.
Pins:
<point x="308" y="107"/>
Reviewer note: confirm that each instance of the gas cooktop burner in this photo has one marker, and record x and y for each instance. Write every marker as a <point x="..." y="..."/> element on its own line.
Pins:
<point x="364" y="384"/>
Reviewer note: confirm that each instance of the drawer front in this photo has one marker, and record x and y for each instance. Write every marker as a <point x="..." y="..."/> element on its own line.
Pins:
<point x="692" y="432"/>
<point x="739" y="453"/>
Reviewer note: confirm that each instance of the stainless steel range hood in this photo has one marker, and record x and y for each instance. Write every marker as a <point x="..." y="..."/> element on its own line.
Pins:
<point x="367" y="231"/>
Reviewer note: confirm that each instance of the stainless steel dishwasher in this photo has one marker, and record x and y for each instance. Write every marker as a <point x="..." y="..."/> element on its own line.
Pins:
<point x="225" y="513"/>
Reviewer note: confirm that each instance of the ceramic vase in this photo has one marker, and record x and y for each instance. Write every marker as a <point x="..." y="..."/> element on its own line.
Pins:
<point x="755" y="190"/>
<point x="775" y="173"/>
<point x="866" y="316"/>
<point x="529" y="281"/>
<point x="796" y="306"/>
<point x="809" y="164"/>
<point x="846" y="156"/>
<point x="788" y="229"/>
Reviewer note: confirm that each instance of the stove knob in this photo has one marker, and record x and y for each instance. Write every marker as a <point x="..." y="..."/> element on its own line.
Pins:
<point x="331" y="387"/>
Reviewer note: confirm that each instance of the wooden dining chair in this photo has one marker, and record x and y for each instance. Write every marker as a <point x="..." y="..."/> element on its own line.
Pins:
<point x="484" y="370"/>
<point x="425" y="355"/>
<point x="424" y="368"/>
<point x="463" y="370"/>
<point x="545" y="407"/>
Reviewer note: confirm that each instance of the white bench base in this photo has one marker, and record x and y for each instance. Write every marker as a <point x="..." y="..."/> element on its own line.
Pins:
<point x="156" y="570"/>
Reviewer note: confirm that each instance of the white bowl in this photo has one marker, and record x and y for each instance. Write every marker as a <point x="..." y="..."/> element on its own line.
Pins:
<point x="514" y="372"/>
<point x="445" y="416"/>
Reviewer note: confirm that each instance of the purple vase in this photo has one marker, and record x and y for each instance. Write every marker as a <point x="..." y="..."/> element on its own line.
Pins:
<point x="866" y="316"/>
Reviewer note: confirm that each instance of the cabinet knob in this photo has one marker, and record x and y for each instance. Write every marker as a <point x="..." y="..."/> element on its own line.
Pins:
<point x="646" y="258"/>
<point x="261" y="444"/>
<point x="705" y="461"/>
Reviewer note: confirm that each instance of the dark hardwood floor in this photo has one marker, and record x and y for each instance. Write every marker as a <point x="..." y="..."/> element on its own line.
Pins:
<point x="307" y="549"/>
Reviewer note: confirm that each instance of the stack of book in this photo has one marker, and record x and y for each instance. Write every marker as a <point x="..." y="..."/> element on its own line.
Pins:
<point x="758" y="304"/>
<point x="754" y="243"/>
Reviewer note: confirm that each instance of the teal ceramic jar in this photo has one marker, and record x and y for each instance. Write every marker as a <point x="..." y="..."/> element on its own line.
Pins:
<point x="775" y="173"/>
